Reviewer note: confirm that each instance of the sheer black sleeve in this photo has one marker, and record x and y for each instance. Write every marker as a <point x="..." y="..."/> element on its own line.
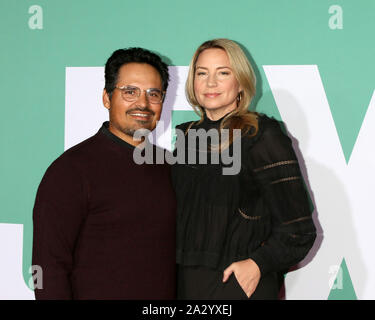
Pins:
<point x="275" y="169"/>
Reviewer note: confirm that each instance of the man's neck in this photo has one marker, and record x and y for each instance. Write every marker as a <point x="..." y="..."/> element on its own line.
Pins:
<point x="124" y="137"/>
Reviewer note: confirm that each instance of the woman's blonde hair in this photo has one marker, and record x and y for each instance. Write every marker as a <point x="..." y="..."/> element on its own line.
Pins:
<point x="241" y="117"/>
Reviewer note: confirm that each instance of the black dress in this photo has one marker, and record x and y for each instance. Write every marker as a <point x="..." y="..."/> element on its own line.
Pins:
<point x="262" y="213"/>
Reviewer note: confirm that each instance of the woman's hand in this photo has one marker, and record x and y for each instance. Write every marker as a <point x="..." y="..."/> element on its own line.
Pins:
<point x="247" y="274"/>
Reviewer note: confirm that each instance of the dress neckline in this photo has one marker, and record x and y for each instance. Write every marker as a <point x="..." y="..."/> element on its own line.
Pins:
<point x="208" y="121"/>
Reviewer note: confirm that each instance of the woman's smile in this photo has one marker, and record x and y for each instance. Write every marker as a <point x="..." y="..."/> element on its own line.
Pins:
<point x="211" y="95"/>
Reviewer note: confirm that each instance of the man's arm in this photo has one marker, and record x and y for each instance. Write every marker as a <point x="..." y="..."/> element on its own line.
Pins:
<point x="59" y="211"/>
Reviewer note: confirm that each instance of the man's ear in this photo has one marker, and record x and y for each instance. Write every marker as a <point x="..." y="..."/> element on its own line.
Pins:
<point x="106" y="100"/>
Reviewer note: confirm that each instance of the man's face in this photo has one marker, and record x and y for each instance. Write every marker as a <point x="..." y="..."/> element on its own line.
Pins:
<point x="126" y="117"/>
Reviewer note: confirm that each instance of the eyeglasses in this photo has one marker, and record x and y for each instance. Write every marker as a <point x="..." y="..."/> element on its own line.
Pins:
<point x="131" y="93"/>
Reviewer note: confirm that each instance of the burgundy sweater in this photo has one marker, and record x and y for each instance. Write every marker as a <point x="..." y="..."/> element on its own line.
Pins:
<point x="104" y="227"/>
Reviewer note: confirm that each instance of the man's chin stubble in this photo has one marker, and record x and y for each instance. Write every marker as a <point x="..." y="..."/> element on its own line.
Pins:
<point x="131" y="132"/>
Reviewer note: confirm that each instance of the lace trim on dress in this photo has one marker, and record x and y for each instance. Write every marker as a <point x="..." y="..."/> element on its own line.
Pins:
<point x="286" y="179"/>
<point x="280" y="163"/>
<point x="248" y="217"/>
<point x="296" y="220"/>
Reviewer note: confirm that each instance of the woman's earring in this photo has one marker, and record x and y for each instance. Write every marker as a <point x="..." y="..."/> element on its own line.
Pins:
<point x="239" y="97"/>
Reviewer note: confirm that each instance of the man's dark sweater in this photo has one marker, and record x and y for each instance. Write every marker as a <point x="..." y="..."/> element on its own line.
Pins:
<point x="104" y="227"/>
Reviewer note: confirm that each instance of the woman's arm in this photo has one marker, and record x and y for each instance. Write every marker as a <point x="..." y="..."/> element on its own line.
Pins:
<point x="276" y="170"/>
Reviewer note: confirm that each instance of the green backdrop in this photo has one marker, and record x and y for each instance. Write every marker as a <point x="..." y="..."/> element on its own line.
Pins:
<point x="85" y="33"/>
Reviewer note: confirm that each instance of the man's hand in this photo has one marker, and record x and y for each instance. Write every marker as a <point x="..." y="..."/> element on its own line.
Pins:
<point x="247" y="274"/>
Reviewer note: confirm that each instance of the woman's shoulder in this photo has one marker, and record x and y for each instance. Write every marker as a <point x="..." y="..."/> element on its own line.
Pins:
<point x="271" y="144"/>
<point x="268" y="124"/>
<point x="264" y="119"/>
<point x="267" y="128"/>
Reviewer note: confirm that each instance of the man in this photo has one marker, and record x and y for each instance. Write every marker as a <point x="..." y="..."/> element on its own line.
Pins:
<point x="104" y="227"/>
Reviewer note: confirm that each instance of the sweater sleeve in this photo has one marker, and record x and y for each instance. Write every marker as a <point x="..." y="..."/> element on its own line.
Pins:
<point x="58" y="214"/>
<point x="276" y="171"/>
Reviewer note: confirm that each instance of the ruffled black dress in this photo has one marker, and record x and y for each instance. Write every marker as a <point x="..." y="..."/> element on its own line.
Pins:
<point x="262" y="213"/>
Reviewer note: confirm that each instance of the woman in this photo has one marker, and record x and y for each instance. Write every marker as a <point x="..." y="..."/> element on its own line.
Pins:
<point x="235" y="232"/>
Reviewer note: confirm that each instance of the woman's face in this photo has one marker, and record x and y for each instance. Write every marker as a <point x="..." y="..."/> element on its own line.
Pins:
<point x="215" y="85"/>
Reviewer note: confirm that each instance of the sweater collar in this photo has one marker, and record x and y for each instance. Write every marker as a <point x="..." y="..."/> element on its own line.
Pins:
<point x="105" y="130"/>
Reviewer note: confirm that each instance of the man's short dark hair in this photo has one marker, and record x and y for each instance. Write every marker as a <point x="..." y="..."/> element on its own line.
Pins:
<point x="138" y="55"/>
